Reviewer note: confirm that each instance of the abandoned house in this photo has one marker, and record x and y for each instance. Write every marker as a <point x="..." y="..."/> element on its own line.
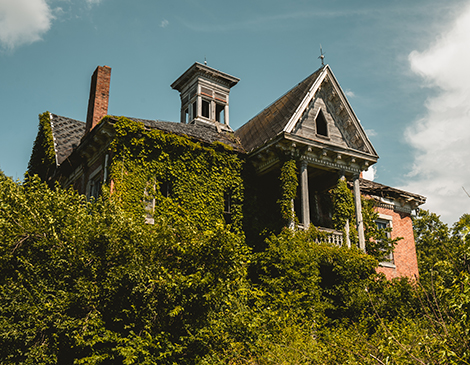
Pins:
<point x="204" y="171"/>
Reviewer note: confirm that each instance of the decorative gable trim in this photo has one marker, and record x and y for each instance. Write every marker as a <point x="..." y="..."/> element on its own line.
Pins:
<point x="345" y="108"/>
<point x="304" y="104"/>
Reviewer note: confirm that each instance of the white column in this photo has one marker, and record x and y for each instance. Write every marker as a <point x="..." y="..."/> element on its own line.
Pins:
<point x="226" y="114"/>
<point x="359" y="221"/>
<point x="304" y="194"/>
<point x="198" y="107"/>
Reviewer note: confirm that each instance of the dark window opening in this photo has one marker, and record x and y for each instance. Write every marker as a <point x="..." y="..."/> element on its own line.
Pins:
<point x="220" y="113"/>
<point x="165" y="189"/>
<point x="194" y="110"/>
<point x="321" y="124"/>
<point x="227" y="202"/>
<point x="227" y="208"/>
<point x="95" y="187"/>
<point x="205" y="108"/>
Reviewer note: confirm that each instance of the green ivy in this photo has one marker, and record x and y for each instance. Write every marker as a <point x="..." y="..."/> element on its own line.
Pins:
<point x="186" y="179"/>
<point x="42" y="160"/>
<point x="289" y="182"/>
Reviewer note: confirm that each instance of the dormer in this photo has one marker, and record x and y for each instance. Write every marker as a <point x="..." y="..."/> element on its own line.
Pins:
<point x="204" y="93"/>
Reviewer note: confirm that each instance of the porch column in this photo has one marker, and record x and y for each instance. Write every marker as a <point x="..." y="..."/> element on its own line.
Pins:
<point x="304" y="194"/>
<point x="360" y="222"/>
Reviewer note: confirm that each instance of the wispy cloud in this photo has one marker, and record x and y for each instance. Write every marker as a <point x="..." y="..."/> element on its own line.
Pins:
<point x="349" y="93"/>
<point x="23" y="22"/>
<point x="371" y="132"/>
<point x="442" y="137"/>
<point x="270" y="20"/>
<point x="92" y="2"/>
<point x="164" y="23"/>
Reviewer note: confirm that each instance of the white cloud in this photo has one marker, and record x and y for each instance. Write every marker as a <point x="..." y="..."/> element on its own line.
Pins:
<point x="164" y="23"/>
<point x="349" y="93"/>
<point x="370" y="173"/>
<point x="442" y="137"/>
<point x="23" y="21"/>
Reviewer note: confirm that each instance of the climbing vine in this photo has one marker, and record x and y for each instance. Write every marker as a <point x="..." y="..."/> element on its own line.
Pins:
<point x="42" y="160"/>
<point x="343" y="204"/>
<point x="161" y="174"/>
<point x="289" y="183"/>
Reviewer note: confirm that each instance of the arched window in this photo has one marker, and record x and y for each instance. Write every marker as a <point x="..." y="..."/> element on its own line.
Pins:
<point x="321" y="124"/>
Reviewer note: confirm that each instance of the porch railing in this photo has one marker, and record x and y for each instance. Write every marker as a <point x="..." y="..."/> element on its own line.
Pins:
<point x="332" y="236"/>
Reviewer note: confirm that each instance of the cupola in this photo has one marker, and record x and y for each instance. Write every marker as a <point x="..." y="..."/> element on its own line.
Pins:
<point x="204" y="93"/>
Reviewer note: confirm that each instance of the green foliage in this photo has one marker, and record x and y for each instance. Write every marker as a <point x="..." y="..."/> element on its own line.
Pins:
<point x="83" y="282"/>
<point x="433" y="248"/>
<point x="343" y="205"/>
<point x="187" y="180"/>
<point x="289" y="183"/>
<point x="379" y="242"/>
<point x="313" y="279"/>
<point x="42" y="160"/>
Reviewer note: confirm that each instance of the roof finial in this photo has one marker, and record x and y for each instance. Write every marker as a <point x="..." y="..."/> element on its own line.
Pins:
<point x="322" y="56"/>
<point x="205" y="61"/>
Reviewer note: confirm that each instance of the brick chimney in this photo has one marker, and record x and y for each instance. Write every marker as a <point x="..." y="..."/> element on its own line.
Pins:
<point x="99" y="96"/>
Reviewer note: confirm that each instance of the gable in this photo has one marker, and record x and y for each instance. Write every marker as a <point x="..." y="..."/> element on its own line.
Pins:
<point x="326" y="103"/>
<point x="271" y="121"/>
<point x="295" y="114"/>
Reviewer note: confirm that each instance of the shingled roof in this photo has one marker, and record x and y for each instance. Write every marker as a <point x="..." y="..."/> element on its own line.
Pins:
<point x="272" y="120"/>
<point x="373" y="188"/>
<point x="67" y="134"/>
<point x="200" y="132"/>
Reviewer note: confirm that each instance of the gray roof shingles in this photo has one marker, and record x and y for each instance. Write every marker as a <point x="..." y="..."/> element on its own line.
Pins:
<point x="67" y="134"/>
<point x="271" y="121"/>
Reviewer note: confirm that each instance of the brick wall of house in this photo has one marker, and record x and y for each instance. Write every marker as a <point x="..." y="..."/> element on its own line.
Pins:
<point x="405" y="259"/>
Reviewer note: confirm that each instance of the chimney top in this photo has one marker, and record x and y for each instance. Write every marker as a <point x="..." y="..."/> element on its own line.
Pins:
<point x="99" y="97"/>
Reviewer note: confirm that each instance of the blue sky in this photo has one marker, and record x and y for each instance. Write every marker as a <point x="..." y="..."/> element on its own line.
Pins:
<point x="403" y="64"/>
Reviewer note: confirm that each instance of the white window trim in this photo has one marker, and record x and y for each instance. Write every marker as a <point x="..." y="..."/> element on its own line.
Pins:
<point x="389" y="220"/>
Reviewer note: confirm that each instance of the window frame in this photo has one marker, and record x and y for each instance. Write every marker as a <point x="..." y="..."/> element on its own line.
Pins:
<point x="387" y="221"/>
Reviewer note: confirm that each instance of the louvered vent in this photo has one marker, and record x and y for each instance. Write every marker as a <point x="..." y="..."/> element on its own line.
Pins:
<point x="220" y="96"/>
<point x="206" y="91"/>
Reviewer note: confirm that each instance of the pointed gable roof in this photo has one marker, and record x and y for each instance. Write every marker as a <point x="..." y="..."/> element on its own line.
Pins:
<point x="273" y="119"/>
<point x="294" y="114"/>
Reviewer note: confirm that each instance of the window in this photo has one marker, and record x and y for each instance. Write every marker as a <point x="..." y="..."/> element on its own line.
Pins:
<point x="227" y="207"/>
<point x="194" y="115"/>
<point x="220" y="113"/>
<point x="383" y="223"/>
<point x="205" y="109"/>
<point x="321" y="124"/>
<point x="165" y="188"/>
<point x="95" y="187"/>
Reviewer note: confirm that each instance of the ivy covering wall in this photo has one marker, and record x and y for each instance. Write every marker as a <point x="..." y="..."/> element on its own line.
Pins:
<point x="42" y="160"/>
<point x="174" y="177"/>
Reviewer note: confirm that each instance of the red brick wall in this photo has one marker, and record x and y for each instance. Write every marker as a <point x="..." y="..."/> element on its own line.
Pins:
<point x="406" y="262"/>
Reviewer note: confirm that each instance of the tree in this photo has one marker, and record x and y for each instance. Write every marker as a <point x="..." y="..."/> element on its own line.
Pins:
<point x="83" y="282"/>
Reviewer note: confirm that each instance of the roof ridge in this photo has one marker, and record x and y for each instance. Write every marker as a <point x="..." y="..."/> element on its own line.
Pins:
<point x="283" y="95"/>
